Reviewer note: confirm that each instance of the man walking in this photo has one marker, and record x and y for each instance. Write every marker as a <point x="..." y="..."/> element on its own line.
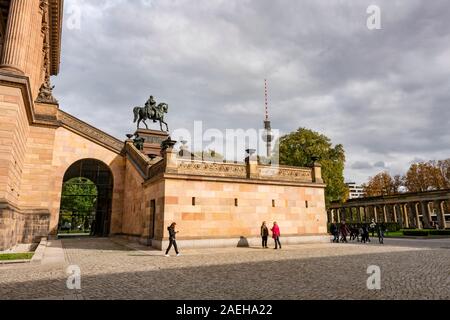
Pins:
<point x="381" y="231"/>
<point x="172" y="239"/>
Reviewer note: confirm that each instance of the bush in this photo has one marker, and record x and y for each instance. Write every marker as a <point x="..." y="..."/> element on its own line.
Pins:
<point x="439" y="232"/>
<point x="426" y="233"/>
<point x="416" y="233"/>
<point x="393" y="227"/>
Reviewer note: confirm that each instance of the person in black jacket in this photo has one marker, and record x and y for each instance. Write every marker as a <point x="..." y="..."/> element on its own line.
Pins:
<point x="264" y="235"/>
<point x="172" y="239"/>
<point x="335" y="232"/>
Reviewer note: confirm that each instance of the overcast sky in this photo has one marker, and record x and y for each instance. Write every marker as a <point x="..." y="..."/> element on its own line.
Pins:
<point x="383" y="94"/>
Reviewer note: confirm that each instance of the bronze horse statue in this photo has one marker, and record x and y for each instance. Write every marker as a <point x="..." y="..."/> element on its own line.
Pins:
<point x="142" y="114"/>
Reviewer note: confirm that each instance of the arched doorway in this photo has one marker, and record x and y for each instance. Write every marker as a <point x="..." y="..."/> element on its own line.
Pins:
<point x="86" y="199"/>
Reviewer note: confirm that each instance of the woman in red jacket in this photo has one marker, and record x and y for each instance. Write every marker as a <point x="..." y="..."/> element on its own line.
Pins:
<point x="276" y="235"/>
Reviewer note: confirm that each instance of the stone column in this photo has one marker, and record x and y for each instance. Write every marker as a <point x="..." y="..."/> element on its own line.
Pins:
<point x="394" y="207"/>
<point x="361" y="214"/>
<point x="416" y="211"/>
<point x="17" y="35"/>
<point x="405" y="215"/>
<point x="366" y="214"/>
<point x="425" y="215"/>
<point x="385" y="214"/>
<point x="169" y="154"/>
<point x="444" y="223"/>
<point x="375" y="213"/>
<point x="317" y="172"/>
<point x="252" y="164"/>
<point x="440" y="214"/>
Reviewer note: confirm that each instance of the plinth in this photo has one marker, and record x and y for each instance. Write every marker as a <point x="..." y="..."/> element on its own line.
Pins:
<point x="153" y="140"/>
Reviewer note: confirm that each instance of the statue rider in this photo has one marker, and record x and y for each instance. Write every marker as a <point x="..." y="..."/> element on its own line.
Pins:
<point x="150" y="107"/>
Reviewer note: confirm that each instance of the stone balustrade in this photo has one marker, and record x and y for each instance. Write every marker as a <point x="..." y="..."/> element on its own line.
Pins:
<point x="285" y="173"/>
<point x="171" y="164"/>
<point x="201" y="168"/>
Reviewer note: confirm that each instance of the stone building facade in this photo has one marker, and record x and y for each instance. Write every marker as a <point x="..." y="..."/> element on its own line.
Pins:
<point x="40" y="145"/>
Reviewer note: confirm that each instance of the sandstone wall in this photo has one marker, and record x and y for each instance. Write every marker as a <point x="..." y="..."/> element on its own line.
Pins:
<point x="298" y="210"/>
<point x="137" y="218"/>
<point x="14" y="130"/>
<point x="134" y="204"/>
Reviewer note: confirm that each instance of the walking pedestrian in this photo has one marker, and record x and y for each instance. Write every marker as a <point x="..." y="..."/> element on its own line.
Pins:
<point x="373" y="226"/>
<point x="381" y="231"/>
<point x="344" y="232"/>
<point x="172" y="239"/>
<point x="264" y="235"/>
<point x="335" y="232"/>
<point x="276" y="235"/>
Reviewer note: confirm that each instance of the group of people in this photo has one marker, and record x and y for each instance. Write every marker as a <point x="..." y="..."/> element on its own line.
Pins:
<point x="275" y="235"/>
<point x="264" y="235"/>
<point x="359" y="233"/>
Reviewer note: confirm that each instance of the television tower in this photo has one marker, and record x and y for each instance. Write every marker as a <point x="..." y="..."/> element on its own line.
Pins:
<point x="267" y="136"/>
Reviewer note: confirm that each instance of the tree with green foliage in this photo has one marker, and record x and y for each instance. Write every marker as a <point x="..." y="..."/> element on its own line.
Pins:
<point x="79" y="194"/>
<point x="301" y="147"/>
<point x="79" y="199"/>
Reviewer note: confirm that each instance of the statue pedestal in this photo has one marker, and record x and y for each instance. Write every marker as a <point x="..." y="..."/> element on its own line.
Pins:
<point x="153" y="140"/>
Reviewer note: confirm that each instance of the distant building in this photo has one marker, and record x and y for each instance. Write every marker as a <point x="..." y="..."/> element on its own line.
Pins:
<point x="355" y="191"/>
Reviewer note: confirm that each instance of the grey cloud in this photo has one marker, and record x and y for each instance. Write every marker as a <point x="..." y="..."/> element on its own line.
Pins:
<point x="361" y="165"/>
<point x="380" y="164"/>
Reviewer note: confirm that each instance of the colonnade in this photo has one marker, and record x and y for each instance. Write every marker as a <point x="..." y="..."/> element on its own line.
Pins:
<point x="423" y="214"/>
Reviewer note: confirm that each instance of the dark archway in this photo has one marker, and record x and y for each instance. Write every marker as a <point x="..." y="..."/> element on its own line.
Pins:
<point x="100" y="175"/>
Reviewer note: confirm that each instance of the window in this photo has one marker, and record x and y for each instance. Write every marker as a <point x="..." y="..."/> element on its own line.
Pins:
<point x="193" y="201"/>
<point x="273" y="203"/>
<point x="306" y="204"/>
<point x="236" y="202"/>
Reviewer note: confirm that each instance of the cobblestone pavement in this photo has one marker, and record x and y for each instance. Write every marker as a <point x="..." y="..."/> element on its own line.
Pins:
<point x="115" y="269"/>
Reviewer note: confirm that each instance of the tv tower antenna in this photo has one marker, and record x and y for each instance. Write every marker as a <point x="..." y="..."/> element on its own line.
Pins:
<point x="268" y="136"/>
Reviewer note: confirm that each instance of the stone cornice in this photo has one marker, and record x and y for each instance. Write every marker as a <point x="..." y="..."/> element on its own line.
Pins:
<point x="21" y="82"/>
<point x="55" y="26"/>
<point x="89" y="132"/>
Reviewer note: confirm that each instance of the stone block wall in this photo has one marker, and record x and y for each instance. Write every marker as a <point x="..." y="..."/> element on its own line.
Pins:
<point x="21" y="227"/>
<point x="134" y="204"/>
<point x="237" y="209"/>
<point x="14" y="130"/>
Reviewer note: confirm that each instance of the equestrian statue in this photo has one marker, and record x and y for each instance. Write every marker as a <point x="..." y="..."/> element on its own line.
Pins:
<point x="151" y="111"/>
